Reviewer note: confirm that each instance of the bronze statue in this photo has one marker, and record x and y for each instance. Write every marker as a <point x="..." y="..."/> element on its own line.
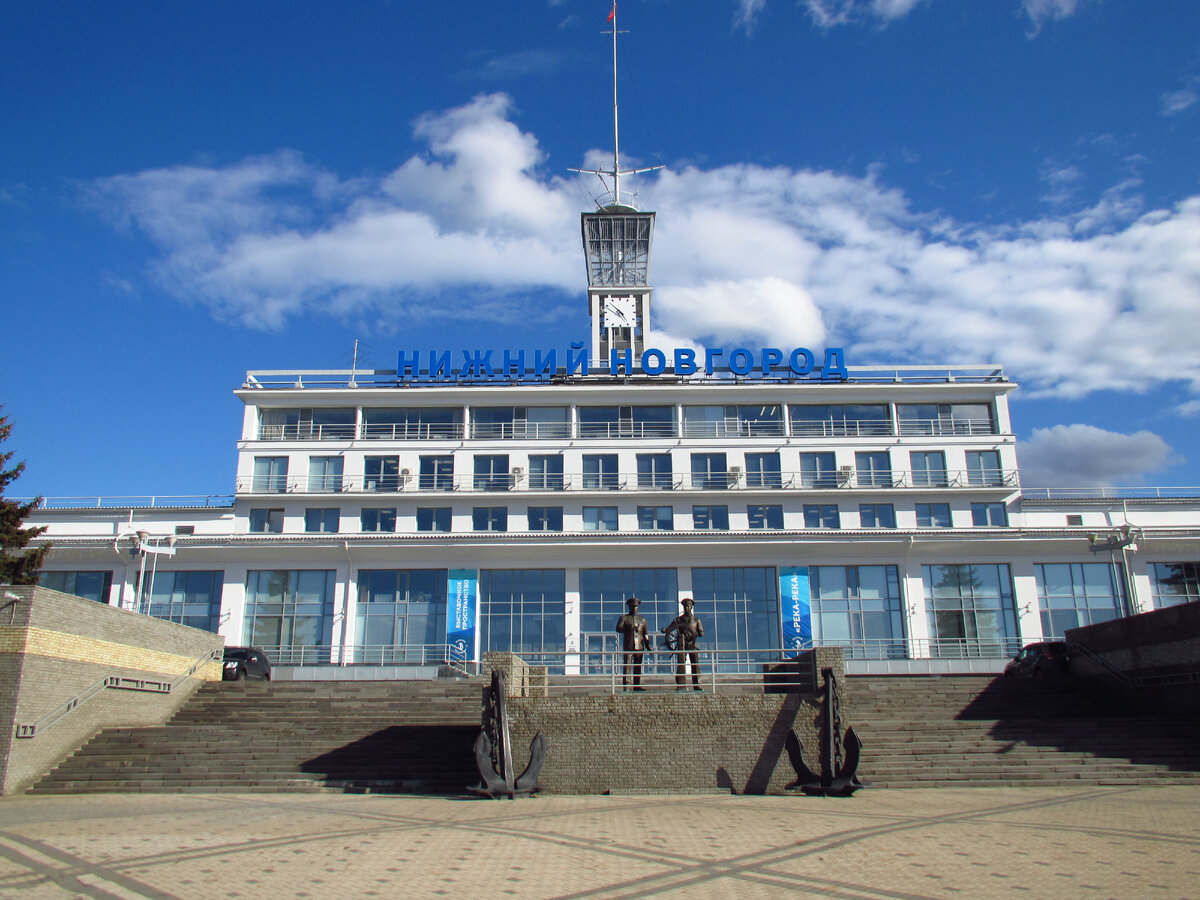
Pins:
<point x="687" y="628"/>
<point x="635" y="641"/>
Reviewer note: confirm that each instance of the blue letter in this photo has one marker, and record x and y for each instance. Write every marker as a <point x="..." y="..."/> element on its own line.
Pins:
<point x="618" y="358"/>
<point x="770" y="357"/>
<point x="685" y="362"/>
<point x="834" y="367"/>
<point x="710" y="360"/>
<point x="577" y="358"/>
<point x="659" y="365"/>
<point x="746" y="364"/>
<point x="480" y="364"/>
<point x="517" y="362"/>
<point x="408" y="368"/>
<point x="547" y="364"/>
<point x="802" y="368"/>
<point x="439" y="366"/>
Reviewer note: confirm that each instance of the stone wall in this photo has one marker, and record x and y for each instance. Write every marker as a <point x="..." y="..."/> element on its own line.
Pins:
<point x="54" y="646"/>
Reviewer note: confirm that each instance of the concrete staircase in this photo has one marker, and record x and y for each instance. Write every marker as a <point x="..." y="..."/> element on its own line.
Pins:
<point x="977" y="730"/>
<point x="393" y="736"/>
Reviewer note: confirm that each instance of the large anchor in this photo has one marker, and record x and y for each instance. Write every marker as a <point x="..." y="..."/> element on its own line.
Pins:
<point x="493" y="750"/>
<point x="839" y="760"/>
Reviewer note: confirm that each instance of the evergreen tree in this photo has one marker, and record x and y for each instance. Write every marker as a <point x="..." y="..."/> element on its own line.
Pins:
<point x="19" y="563"/>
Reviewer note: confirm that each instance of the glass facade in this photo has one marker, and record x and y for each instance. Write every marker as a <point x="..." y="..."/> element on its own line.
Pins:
<point x="88" y="585"/>
<point x="400" y="616"/>
<point x="1174" y="583"/>
<point x="289" y="614"/>
<point x="602" y="596"/>
<point x="858" y="608"/>
<point x="1075" y="594"/>
<point x="970" y="610"/>
<point x="739" y="608"/>
<point x="524" y="611"/>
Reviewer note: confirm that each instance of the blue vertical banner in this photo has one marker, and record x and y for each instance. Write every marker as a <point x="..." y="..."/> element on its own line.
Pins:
<point x="795" y="608"/>
<point x="462" y="597"/>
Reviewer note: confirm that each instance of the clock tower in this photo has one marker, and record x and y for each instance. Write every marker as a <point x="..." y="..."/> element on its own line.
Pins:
<point x="617" y="238"/>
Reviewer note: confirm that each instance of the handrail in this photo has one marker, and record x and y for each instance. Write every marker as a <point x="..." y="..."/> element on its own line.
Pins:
<point x="1105" y="666"/>
<point x="120" y="682"/>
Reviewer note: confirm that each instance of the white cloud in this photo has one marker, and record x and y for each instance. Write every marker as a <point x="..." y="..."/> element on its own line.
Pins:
<point x="1072" y="456"/>
<point x="1106" y="297"/>
<point x="745" y="16"/>
<point x="829" y="13"/>
<point x="1177" y="101"/>
<point x="1042" y="11"/>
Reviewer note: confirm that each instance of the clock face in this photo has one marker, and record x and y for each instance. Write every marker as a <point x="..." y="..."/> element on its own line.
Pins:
<point x="620" y="312"/>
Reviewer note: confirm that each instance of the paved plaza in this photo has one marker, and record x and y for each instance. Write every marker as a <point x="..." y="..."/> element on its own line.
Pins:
<point x="1136" y="842"/>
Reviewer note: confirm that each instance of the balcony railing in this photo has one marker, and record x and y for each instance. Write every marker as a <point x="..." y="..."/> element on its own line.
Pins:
<point x="306" y="432"/>
<point x="412" y="431"/>
<point x="732" y="429"/>
<point x="536" y="431"/>
<point x="627" y="430"/>
<point x="842" y="428"/>
<point x="946" y="426"/>
<point x="733" y="480"/>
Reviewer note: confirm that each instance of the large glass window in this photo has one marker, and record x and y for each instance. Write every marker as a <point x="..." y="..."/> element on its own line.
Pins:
<point x="437" y="473"/>
<point x="709" y="471"/>
<point x="983" y="468"/>
<point x="491" y="472"/>
<point x="600" y="472"/>
<point x="928" y="468"/>
<point x="306" y="424"/>
<point x="654" y="471"/>
<point x="822" y="515"/>
<point x="270" y="475"/>
<point x="381" y="474"/>
<point x="626" y="421"/>
<point x="538" y="422"/>
<point x="839" y="421"/>
<point x="189" y="598"/>
<point x="970" y="610"/>
<point x="873" y="468"/>
<point x="378" y="519"/>
<point x="766" y="516"/>
<point x="602" y="596"/>
<point x="599" y="518"/>
<point x="324" y="474"/>
<point x="545" y="472"/>
<point x="945" y="418"/>
<point x="710" y="518"/>
<point x="1075" y="594"/>
<point x="756" y="420"/>
<point x="858" y="608"/>
<point x="421" y="424"/>
<point x="401" y="616"/>
<point x="933" y="515"/>
<point x="656" y="518"/>
<point x="1174" y="583"/>
<point x="877" y="515"/>
<point x="489" y="518"/>
<point x="321" y="519"/>
<point x="433" y="518"/>
<point x="739" y="608"/>
<point x="545" y="518"/>
<point x="762" y="470"/>
<point x="818" y="470"/>
<point x="289" y="614"/>
<point x="88" y="585"/>
<point x="989" y="515"/>
<point x="524" y="611"/>
<point x="266" y="521"/>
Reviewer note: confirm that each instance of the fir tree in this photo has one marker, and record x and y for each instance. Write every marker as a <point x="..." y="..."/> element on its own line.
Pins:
<point x="19" y="563"/>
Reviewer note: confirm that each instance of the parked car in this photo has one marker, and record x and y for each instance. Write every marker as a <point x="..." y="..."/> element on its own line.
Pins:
<point x="245" y="662"/>
<point x="1045" y="659"/>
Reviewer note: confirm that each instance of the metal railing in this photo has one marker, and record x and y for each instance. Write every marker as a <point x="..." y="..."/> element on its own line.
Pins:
<point x="119" y="682"/>
<point x="362" y="654"/>
<point x="946" y="426"/>
<point x="342" y="431"/>
<point x="1111" y="493"/>
<point x="842" y="428"/>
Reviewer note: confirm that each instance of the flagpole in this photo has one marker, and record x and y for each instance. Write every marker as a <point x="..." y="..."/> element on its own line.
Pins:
<point x="616" y="135"/>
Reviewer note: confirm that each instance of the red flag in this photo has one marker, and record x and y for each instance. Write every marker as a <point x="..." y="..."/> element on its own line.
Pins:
<point x="612" y="13"/>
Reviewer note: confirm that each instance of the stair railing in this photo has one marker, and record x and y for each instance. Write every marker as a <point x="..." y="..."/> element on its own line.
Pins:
<point x="118" y="682"/>
<point x="1104" y="665"/>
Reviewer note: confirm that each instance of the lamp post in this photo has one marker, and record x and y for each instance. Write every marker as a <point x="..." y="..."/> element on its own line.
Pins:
<point x="1125" y="540"/>
<point x="144" y="545"/>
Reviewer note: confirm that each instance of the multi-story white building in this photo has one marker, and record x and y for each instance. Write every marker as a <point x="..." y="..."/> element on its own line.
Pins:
<point x="515" y="502"/>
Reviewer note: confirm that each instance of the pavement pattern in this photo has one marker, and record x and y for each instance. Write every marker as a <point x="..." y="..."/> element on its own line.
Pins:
<point x="1118" y="841"/>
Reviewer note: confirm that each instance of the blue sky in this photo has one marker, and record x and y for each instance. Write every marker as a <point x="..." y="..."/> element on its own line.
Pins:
<point x="192" y="190"/>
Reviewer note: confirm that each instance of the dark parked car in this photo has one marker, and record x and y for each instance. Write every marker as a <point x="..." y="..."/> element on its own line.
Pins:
<point x="245" y="662"/>
<point x="1046" y="659"/>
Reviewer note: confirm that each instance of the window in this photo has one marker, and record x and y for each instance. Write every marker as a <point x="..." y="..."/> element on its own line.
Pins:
<point x="822" y="515"/>
<point x="626" y="421"/>
<point x="321" y="519"/>
<point x="1074" y="520"/>
<point x="983" y="468"/>
<point x="1174" y="583"/>
<point x="600" y="472"/>
<point x="289" y="614"/>
<point x="877" y="515"/>
<point x="858" y="608"/>
<point x="740" y="611"/>
<point x="266" y="521"/>
<point x="756" y="420"/>
<point x="491" y="472"/>
<point x="970" y="610"/>
<point x="188" y="598"/>
<point x="928" y="468"/>
<point x="433" y="518"/>
<point x="437" y="473"/>
<point x="1071" y="595"/>
<point x="523" y="611"/>
<point x="654" y="471"/>
<point x="306" y="424"/>
<point x="270" y="475"/>
<point x="599" y="518"/>
<point x="602" y="596"/>
<point x="88" y="585"/>
<point x="489" y="518"/>
<point x="422" y="424"/>
<point x="762" y="470"/>
<point x="709" y="471"/>
<point x="545" y="472"/>
<point x="817" y="470"/>
<point x="873" y="468"/>
<point x="989" y="515"/>
<point x="401" y="614"/>
<point x="381" y="474"/>
<point x="945" y="418"/>
<point x="933" y="515"/>
<point x="378" y="519"/>
<point x="765" y="517"/>
<point x="710" y="518"/>
<point x="656" y="518"/>
<point x="545" y="518"/>
<point x="324" y="474"/>
<point x="185" y="529"/>
<point x="839" y="421"/>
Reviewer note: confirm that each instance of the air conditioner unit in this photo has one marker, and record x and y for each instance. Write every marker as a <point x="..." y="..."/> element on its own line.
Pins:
<point x="404" y="473"/>
<point x="735" y="471"/>
<point x="845" y="473"/>
<point x="517" y="471"/>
